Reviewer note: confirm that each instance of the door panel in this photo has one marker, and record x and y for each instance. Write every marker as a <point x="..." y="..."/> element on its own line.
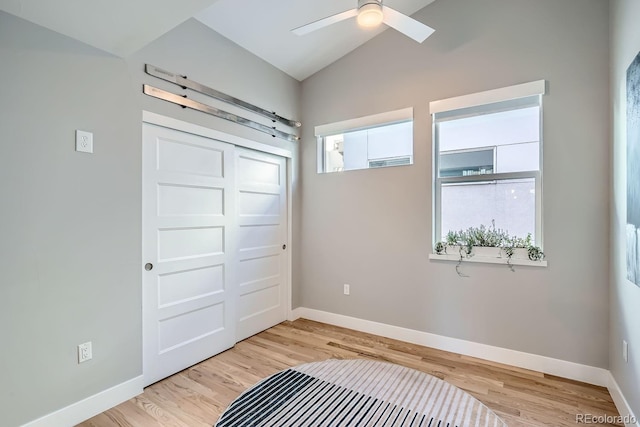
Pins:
<point x="180" y="286"/>
<point x="185" y="200"/>
<point x="254" y="171"/>
<point x="263" y="299"/>
<point x="262" y="231"/>
<point x="260" y="237"/>
<point x="175" y="154"/>
<point x="179" y="327"/>
<point x="260" y="268"/>
<point x="190" y="242"/>
<point x="189" y="304"/>
<point x="259" y="204"/>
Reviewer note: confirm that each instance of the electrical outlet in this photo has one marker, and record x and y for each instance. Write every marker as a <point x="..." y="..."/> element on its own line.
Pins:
<point x="347" y="290"/>
<point x="84" y="352"/>
<point x="84" y="141"/>
<point x="625" y="351"/>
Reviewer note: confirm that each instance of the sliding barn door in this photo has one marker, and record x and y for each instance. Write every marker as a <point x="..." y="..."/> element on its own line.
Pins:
<point x="262" y="263"/>
<point x="189" y="237"/>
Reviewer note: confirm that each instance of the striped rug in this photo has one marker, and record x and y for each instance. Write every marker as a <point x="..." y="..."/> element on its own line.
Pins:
<point x="356" y="393"/>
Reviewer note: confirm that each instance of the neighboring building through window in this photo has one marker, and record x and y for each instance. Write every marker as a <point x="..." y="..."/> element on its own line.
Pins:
<point x="374" y="141"/>
<point x="488" y="161"/>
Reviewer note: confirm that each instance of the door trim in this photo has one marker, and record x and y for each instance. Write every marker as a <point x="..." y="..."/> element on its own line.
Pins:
<point x="171" y="123"/>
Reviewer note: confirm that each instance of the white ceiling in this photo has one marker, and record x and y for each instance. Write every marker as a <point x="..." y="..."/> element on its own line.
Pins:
<point x="262" y="27"/>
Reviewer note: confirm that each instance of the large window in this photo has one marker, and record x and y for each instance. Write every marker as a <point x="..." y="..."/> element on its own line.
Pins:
<point x="368" y="142"/>
<point x="488" y="161"/>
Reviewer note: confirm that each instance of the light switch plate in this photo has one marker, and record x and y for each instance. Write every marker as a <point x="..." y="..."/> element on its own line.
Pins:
<point x="84" y="141"/>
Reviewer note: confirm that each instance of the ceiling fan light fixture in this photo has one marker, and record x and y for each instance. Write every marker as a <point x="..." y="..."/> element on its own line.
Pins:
<point x="370" y="15"/>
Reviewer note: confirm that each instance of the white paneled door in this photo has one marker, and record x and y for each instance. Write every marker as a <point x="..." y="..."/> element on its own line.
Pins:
<point x="214" y="247"/>
<point x="262" y="263"/>
<point x="189" y="250"/>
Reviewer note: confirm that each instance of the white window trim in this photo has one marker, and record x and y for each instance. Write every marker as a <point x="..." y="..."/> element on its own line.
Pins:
<point x="488" y="97"/>
<point x="488" y="260"/>
<point x="535" y="88"/>
<point x="365" y="122"/>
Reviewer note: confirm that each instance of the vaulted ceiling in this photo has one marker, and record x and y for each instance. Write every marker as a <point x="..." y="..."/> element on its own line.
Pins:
<point x="262" y="27"/>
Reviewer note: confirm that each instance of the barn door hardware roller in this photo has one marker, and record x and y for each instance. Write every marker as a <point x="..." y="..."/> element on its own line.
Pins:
<point x="186" y="83"/>
<point x="185" y="102"/>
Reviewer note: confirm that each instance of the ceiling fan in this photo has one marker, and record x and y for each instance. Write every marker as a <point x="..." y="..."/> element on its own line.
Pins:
<point x="371" y="13"/>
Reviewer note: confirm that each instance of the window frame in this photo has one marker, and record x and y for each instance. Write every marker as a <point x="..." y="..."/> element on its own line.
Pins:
<point x="361" y="123"/>
<point x="526" y="90"/>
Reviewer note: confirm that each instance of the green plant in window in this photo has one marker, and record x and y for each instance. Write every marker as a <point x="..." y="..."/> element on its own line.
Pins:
<point x="488" y="236"/>
<point x="452" y="238"/>
<point x="535" y="254"/>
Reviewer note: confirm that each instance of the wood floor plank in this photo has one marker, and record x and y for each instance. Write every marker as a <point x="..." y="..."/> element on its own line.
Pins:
<point x="198" y="395"/>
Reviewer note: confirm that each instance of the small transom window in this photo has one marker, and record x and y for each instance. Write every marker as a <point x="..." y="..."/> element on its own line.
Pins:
<point x="377" y="141"/>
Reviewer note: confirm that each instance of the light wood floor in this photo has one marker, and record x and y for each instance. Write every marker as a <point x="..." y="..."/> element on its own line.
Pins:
<point x="198" y="395"/>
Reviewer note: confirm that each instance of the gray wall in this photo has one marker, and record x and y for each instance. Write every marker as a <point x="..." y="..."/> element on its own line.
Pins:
<point x="624" y="296"/>
<point x="71" y="222"/>
<point x="372" y="228"/>
<point x="195" y="50"/>
<point x="70" y="248"/>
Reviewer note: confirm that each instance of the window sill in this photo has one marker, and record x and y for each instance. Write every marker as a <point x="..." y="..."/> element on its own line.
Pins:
<point x="488" y="260"/>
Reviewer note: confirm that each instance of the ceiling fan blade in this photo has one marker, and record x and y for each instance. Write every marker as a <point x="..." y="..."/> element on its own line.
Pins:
<point x="316" y="25"/>
<point x="407" y="26"/>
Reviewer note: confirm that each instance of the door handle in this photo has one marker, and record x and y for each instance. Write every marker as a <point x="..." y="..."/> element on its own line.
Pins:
<point x="284" y="247"/>
<point x="148" y="266"/>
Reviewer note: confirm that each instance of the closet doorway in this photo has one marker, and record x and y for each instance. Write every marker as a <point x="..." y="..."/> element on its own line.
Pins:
<point x="215" y="256"/>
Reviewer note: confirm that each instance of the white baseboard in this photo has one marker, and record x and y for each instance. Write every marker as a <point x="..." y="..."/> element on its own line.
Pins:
<point x="627" y="414"/>
<point x="548" y="365"/>
<point x="91" y="406"/>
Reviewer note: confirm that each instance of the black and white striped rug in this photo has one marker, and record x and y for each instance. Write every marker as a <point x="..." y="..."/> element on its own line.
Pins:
<point x="356" y="393"/>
